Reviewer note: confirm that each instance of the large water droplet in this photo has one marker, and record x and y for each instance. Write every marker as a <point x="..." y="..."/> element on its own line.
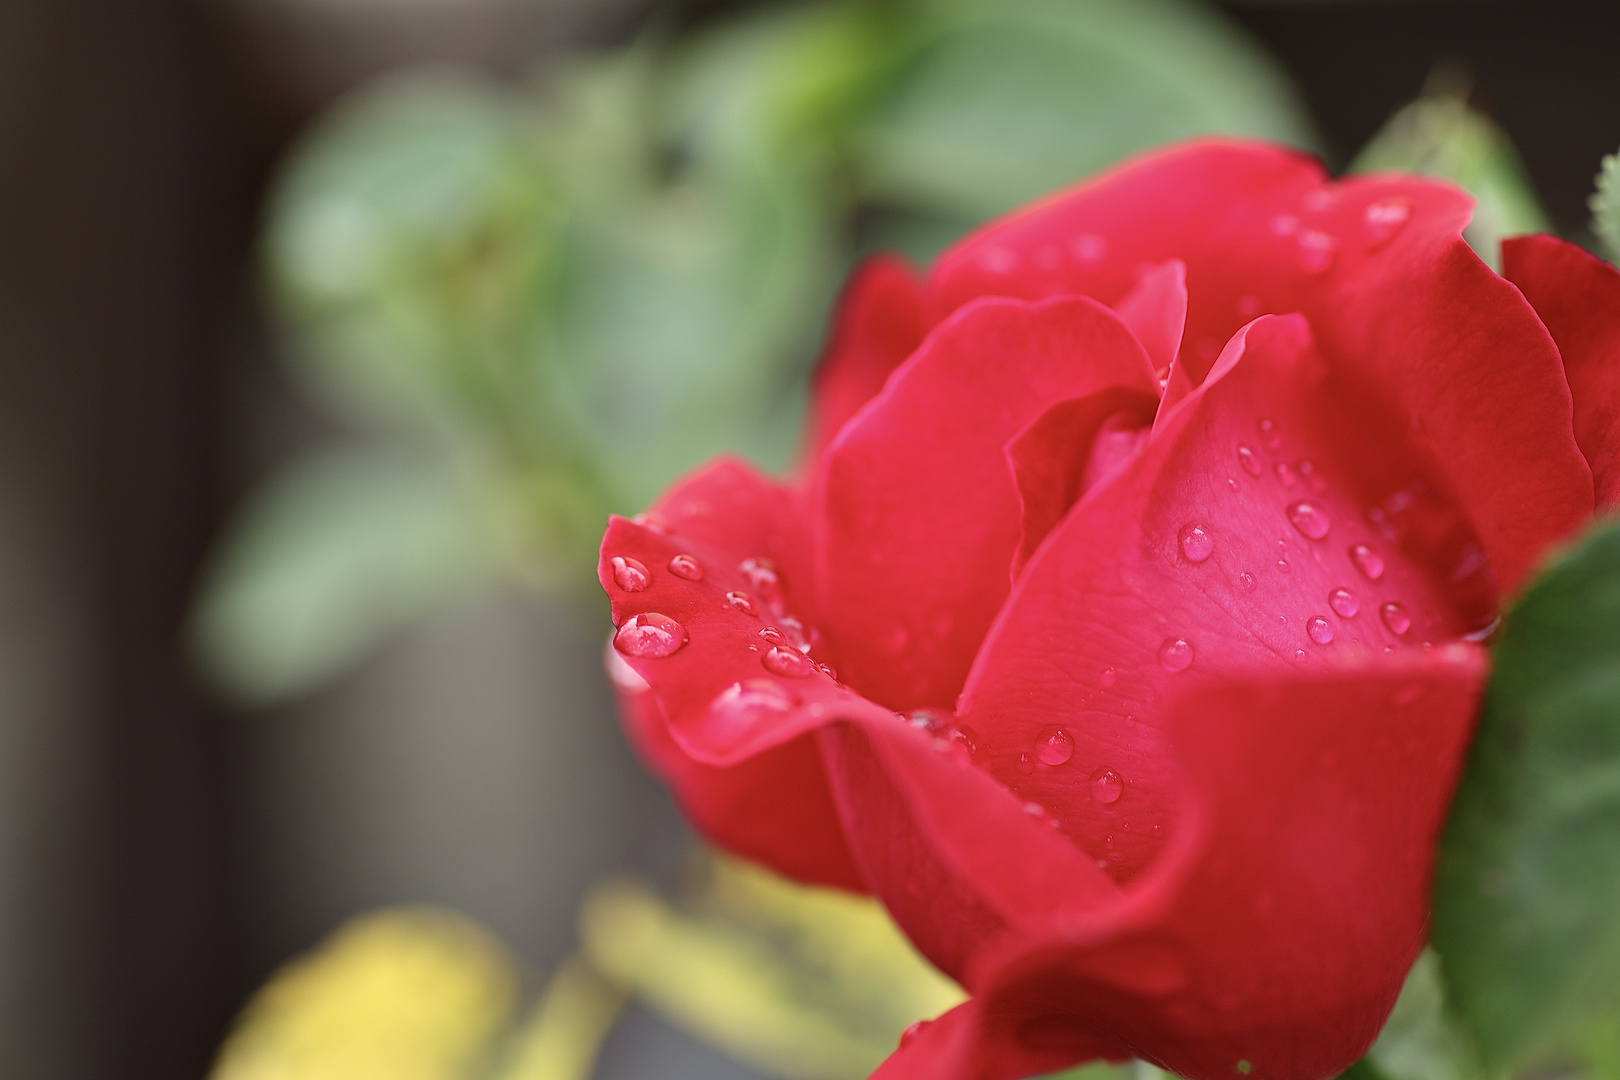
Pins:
<point x="630" y="574"/>
<point x="1395" y="617"/>
<point x="1308" y="518"/>
<point x="1320" y="629"/>
<point x="1344" y="602"/>
<point x="684" y="566"/>
<point x="1368" y="561"/>
<point x="1196" y="543"/>
<point x="787" y="661"/>
<point x="1270" y="437"/>
<point x="773" y="636"/>
<point x="1054" y="746"/>
<point x="649" y="634"/>
<point x="742" y="602"/>
<point x="1106" y="785"/>
<point x="1317" y="250"/>
<point x="743" y="704"/>
<point x="1176" y="654"/>
<point x="1382" y="220"/>
<point x="1247" y="459"/>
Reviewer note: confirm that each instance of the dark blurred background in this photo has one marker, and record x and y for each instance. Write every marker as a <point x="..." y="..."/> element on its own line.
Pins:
<point x="142" y="893"/>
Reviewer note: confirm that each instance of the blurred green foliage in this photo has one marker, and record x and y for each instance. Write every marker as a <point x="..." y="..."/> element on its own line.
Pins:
<point x="548" y="299"/>
<point x="1527" y="897"/>
<point x="1605" y="205"/>
<point x="1441" y="135"/>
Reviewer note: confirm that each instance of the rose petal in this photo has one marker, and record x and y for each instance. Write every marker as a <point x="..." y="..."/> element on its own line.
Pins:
<point x="1156" y="312"/>
<point x="954" y="1047"/>
<point x="1577" y="297"/>
<point x="1397" y="294"/>
<point x="880" y="320"/>
<point x="1186" y="568"/>
<point x="1276" y="942"/>
<point x="918" y="515"/>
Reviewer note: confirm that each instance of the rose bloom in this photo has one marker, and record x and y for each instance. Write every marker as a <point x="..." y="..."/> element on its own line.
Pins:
<point x="1120" y="629"/>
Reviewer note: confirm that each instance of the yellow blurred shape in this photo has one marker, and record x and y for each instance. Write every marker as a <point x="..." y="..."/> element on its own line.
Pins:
<point x="402" y="994"/>
<point x="806" y="983"/>
<point x="565" y="1032"/>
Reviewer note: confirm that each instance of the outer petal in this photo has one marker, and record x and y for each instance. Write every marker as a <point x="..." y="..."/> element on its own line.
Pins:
<point x="1186" y="568"/>
<point x="1577" y="296"/>
<point x="918" y="515"/>
<point x="771" y="804"/>
<point x="881" y="318"/>
<point x="958" y="1044"/>
<point x="1276" y="941"/>
<point x="1379" y="266"/>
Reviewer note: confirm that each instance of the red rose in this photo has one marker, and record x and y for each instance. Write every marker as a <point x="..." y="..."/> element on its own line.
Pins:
<point x="1147" y="535"/>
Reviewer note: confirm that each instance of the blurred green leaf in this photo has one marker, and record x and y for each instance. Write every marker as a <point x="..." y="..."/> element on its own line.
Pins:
<point x="1440" y="135"/>
<point x="998" y="103"/>
<point x="1420" y="1041"/>
<point x="805" y="983"/>
<point x="563" y="1035"/>
<point x="342" y="549"/>
<point x="1605" y="205"/>
<point x="1527" y="898"/>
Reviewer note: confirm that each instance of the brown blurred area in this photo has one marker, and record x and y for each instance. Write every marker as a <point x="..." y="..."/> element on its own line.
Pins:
<point x="154" y="866"/>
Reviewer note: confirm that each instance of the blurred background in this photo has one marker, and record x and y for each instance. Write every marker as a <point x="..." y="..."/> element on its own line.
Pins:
<point x="330" y="330"/>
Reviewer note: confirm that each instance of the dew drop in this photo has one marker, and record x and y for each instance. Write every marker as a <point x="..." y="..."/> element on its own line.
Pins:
<point x="762" y="577"/>
<point x="965" y="739"/>
<point x="1196" y="543"/>
<point x="1344" y="602"/>
<point x="649" y="634"/>
<point x="1284" y="225"/>
<point x="787" y="661"/>
<point x="1368" y="561"/>
<point x="744" y="704"/>
<point x="932" y="721"/>
<point x="1246" y="579"/>
<point x="1158" y="830"/>
<point x="1299" y="654"/>
<point x="1108" y="677"/>
<point x="1026" y="764"/>
<point x="630" y="574"/>
<point x="1270" y="437"/>
<point x="1106" y="786"/>
<point x="1382" y="220"/>
<point x="1247" y="459"/>
<point x="1395" y="617"/>
<point x="828" y="670"/>
<point x="1285" y="473"/>
<point x="1131" y="721"/>
<point x="1088" y="249"/>
<point x="1054" y="746"/>
<point x="1248" y="306"/>
<point x="1176" y="654"/>
<point x="684" y="566"/>
<point x="1282" y="566"/>
<point x="1317" y="250"/>
<point x="793" y="630"/>
<point x="742" y="602"/>
<point x="908" y="1036"/>
<point x="1320" y="629"/>
<point x="1313" y="479"/>
<point x="1308" y="519"/>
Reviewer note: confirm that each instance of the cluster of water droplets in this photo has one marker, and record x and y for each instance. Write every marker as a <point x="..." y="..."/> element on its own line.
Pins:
<point x="1316" y="249"/>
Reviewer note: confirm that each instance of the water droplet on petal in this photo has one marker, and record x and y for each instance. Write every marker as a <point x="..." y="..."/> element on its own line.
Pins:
<point x="1270" y="437"/>
<point x="1158" y="830"/>
<point x="649" y="634"/>
<point x="793" y="630"/>
<point x="1248" y="306"/>
<point x="1368" y="561"/>
<point x="1088" y="249"/>
<point x="1320" y="629"/>
<point x="965" y="739"/>
<point x="1247" y="459"/>
<point x="932" y="721"/>
<point x="1246" y="579"/>
<point x="786" y="661"/>
<point x="684" y="566"/>
<point x="1284" y="225"/>
<point x="1106" y="786"/>
<point x="742" y="602"/>
<point x="762" y="577"/>
<point x="1382" y="220"/>
<point x="654" y="524"/>
<point x="1313" y="479"/>
<point x="1054" y="746"/>
<point x="1317" y="250"/>
<point x="744" y="704"/>
<point x="1176" y="654"/>
<point x="773" y="636"/>
<point x="1282" y="566"/>
<point x="910" y="1034"/>
<point x="1196" y="543"/>
<point x="1344" y="602"/>
<point x="1026" y="764"/>
<point x="1308" y="519"/>
<point x="828" y="670"/>
<point x="1395" y="617"/>
<point x="1285" y="473"/>
<point x="630" y="574"/>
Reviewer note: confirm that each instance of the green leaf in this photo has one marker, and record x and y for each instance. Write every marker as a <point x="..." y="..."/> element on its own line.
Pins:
<point x="1420" y="1041"/>
<point x="1441" y="135"/>
<point x="1605" y="203"/>
<point x="1527" y="897"/>
<point x="998" y="103"/>
<point x="337" y="552"/>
